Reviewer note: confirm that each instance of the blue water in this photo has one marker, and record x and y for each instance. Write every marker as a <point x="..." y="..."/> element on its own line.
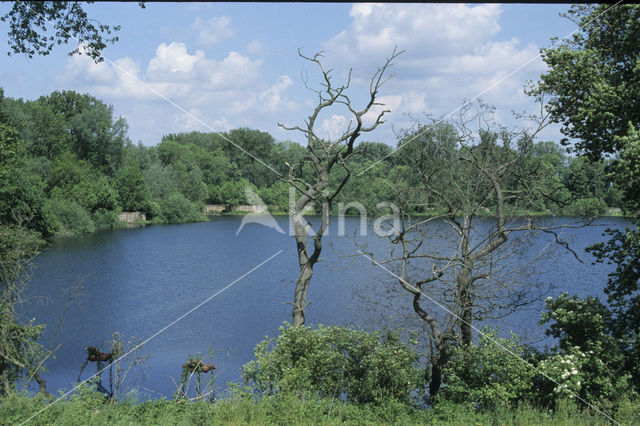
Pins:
<point x="137" y="281"/>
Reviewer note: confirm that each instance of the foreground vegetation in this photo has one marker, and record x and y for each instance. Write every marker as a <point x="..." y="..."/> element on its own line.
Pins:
<point x="88" y="407"/>
<point x="335" y="375"/>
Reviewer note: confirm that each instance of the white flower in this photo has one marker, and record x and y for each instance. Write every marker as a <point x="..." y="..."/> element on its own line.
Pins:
<point x="574" y="371"/>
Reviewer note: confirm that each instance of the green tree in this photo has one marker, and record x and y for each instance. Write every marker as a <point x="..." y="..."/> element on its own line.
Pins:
<point x="21" y="192"/>
<point x="160" y="181"/>
<point x="66" y="172"/>
<point x="133" y="193"/>
<point x="94" y="134"/>
<point x="259" y="145"/>
<point x="28" y="30"/>
<point x="69" y="218"/>
<point x="594" y="79"/>
<point x="44" y="130"/>
<point x="594" y="83"/>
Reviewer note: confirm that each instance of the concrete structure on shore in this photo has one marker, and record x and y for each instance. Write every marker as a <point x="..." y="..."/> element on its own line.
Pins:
<point x="211" y="209"/>
<point x="130" y="217"/>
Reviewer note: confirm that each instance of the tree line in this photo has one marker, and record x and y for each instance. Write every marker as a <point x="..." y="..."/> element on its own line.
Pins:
<point x="70" y="168"/>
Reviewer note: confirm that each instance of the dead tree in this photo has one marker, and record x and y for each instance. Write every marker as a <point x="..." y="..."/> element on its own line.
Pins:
<point x="310" y="177"/>
<point x="458" y="265"/>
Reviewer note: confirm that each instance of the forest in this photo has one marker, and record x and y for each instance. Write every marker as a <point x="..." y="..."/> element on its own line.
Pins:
<point x="73" y="169"/>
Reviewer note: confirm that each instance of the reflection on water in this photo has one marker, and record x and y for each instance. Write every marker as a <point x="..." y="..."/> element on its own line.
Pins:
<point x="136" y="281"/>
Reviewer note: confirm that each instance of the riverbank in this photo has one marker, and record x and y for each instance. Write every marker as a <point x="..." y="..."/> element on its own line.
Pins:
<point x="88" y="407"/>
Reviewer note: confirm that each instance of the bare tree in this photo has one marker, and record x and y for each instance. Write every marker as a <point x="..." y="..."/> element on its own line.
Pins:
<point x="459" y="269"/>
<point x="310" y="177"/>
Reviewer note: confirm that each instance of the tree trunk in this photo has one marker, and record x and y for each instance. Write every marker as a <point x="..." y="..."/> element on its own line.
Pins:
<point x="464" y="284"/>
<point x="436" y="380"/>
<point x="6" y="383"/>
<point x="466" y="307"/>
<point x="42" y="383"/>
<point x="437" y="366"/>
<point x="300" y="296"/>
<point x="306" y="263"/>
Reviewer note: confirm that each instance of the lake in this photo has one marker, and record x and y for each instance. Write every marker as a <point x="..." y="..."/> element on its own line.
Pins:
<point x="137" y="281"/>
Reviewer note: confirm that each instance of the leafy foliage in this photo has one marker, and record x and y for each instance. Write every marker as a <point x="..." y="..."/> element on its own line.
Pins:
<point x="20" y="351"/>
<point x="593" y="80"/>
<point x="27" y="28"/>
<point x="594" y="83"/>
<point x="590" y="361"/>
<point x="334" y="362"/>
<point x="133" y="193"/>
<point x="69" y="218"/>
<point x="175" y="208"/>
<point x="489" y="374"/>
<point x="21" y="192"/>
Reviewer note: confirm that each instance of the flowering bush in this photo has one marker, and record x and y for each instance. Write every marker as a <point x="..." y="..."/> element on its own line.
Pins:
<point x="589" y="362"/>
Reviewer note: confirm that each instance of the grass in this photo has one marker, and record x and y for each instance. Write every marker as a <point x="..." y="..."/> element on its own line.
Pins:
<point x="88" y="407"/>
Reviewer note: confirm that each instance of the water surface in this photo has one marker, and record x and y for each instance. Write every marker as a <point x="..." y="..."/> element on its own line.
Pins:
<point x="137" y="281"/>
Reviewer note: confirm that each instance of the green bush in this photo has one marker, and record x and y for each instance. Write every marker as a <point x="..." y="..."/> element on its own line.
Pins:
<point x="105" y="219"/>
<point x="489" y="375"/>
<point x="588" y="207"/>
<point x="334" y="362"/>
<point x="175" y="208"/>
<point x="69" y="218"/>
<point x="588" y="362"/>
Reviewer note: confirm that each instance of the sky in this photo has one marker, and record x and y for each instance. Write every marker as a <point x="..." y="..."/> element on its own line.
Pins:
<point x="179" y="67"/>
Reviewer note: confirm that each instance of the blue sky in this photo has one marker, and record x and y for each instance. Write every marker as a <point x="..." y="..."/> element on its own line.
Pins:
<point x="235" y="64"/>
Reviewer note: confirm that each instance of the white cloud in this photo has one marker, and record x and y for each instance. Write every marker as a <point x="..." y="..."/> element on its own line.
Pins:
<point x="421" y="29"/>
<point x="222" y="125"/>
<point x="334" y="127"/>
<point x="186" y="122"/>
<point x="223" y="93"/>
<point x="234" y="71"/>
<point x="272" y="97"/>
<point x="214" y="30"/>
<point x="173" y="58"/>
<point x="452" y="52"/>
<point x="255" y="47"/>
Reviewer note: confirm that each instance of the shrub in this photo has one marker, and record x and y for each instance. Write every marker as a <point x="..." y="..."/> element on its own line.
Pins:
<point x="175" y="208"/>
<point x="69" y="218"/>
<point x="588" y="362"/>
<point x="488" y="375"/>
<point x="105" y="219"/>
<point x="588" y="207"/>
<point x="334" y="362"/>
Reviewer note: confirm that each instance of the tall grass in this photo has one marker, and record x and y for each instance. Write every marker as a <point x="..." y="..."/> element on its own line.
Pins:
<point x="89" y="407"/>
